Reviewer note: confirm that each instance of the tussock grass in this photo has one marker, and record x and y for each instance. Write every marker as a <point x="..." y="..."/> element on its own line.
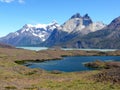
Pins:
<point x="17" y="77"/>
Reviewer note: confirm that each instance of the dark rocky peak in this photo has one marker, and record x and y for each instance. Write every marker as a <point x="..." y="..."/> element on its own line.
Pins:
<point x="116" y="20"/>
<point x="77" y="15"/>
<point x="87" y="20"/>
<point x="115" y="24"/>
<point x="27" y="26"/>
<point x="86" y="16"/>
<point x="54" y="23"/>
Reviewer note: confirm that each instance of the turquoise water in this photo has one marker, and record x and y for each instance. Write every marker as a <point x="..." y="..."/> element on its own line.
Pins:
<point x="70" y="64"/>
<point x="45" y="48"/>
<point x="104" y="50"/>
<point x="34" y="48"/>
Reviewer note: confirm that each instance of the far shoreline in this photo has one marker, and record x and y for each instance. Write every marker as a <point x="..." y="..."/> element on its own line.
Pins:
<point x="46" y="48"/>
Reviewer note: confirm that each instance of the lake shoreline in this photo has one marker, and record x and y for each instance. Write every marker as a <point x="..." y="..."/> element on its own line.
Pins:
<point x="71" y="64"/>
<point x="47" y="48"/>
<point x="60" y="54"/>
<point x="57" y="54"/>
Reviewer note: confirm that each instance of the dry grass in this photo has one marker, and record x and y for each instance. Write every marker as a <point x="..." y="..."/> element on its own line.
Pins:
<point x="17" y="77"/>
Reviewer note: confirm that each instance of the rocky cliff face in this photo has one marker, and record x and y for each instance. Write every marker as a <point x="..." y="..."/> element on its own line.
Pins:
<point x="77" y="32"/>
<point x="107" y="37"/>
<point x="84" y="24"/>
<point x="76" y="26"/>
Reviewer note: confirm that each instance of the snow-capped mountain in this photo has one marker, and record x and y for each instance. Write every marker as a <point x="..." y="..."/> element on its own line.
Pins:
<point x="76" y="26"/>
<point x="106" y="38"/>
<point x="39" y="30"/>
<point x="84" y="24"/>
<point x="30" y="34"/>
<point x="76" y="23"/>
<point x="97" y="26"/>
<point x="53" y="34"/>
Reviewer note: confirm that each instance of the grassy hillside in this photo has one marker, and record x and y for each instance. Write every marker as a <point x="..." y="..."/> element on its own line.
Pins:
<point x="17" y="77"/>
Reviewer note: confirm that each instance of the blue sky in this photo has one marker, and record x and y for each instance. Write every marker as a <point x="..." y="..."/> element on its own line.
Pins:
<point x="15" y="13"/>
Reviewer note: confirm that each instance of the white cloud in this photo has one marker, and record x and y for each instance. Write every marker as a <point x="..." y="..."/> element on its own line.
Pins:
<point x="9" y="1"/>
<point x="21" y="1"/>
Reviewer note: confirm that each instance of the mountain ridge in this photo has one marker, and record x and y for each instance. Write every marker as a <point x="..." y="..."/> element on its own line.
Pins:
<point x="77" y="25"/>
<point x="77" y="32"/>
<point x="30" y="34"/>
<point x="106" y="38"/>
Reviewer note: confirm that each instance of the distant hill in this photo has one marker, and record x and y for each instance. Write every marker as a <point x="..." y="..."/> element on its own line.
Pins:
<point x="5" y="46"/>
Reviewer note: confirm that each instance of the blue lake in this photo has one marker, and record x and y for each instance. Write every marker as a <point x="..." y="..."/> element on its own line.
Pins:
<point x="70" y="64"/>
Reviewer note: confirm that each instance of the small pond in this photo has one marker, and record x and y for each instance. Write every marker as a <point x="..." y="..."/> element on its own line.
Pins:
<point x="70" y="64"/>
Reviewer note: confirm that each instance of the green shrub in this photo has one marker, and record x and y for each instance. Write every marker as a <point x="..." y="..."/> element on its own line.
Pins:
<point x="20" y="62"/>
<point x="10" y="87"/>
<point x="56" y="72"/>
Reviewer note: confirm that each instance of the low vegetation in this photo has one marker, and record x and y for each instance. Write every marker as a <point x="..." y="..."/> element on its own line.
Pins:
<point x="111" y="75"/>
<point x="14" y="76"/>
<point x="103" y="65"/>
<point x="110" y="71"/>
<point x="96" y="64"/>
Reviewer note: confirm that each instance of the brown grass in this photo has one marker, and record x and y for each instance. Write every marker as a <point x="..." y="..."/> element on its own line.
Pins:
<point x="15" y="76"/>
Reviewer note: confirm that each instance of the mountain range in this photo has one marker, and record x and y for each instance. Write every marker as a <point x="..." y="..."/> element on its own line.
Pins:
<point x="77" y="32"/>
<point x="74" y="27"/>
<point x="106" y="38"/>
<point x="30" y="35"/>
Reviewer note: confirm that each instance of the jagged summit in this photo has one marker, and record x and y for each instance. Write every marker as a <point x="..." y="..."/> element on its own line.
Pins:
<point x="41" y="25"/>
<point x="82" y="24"/>
<point x="77" y="15"/>
<point x="86" y="16"/>
<point x="27" y="25"/>
<point x="116" y="20"/>
<point x="87" y="20"/>
<point x="53" y="33"/>
<point x="30" y="34"/>
<point x="115" y="24"/>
